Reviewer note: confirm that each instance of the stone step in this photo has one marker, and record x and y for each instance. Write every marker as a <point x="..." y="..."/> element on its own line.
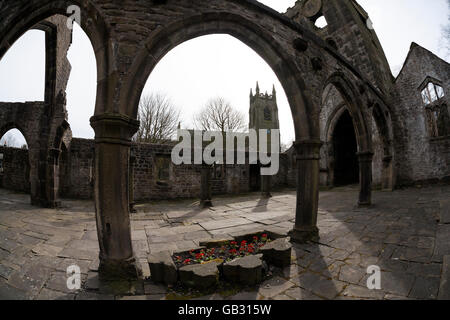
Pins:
<point x="444" y="290"/>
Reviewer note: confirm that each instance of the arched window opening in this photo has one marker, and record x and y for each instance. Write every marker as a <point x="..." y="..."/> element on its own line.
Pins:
<point x="321" y="22"/>
<point x="436" y="110"/>
<point x="14" y="162"/>
<point x="201" y="82"/>
<point x="14" y="139"/>
<point x="431" y="93"/>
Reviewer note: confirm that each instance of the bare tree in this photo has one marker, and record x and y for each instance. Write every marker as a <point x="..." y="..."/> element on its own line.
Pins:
<point x="219" y="115"/>
<point x="159" y="119"/>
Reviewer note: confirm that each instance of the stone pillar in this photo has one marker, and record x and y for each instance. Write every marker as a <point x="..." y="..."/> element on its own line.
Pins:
<point x="113" y="134"/>
<point x="387" y="174"/>
<point x="365" y="178"/>
<point x="205" y="192"/>
<point x="131" y="183"/>
<point x="266" y="186"/>
<point x="308" y="170"/>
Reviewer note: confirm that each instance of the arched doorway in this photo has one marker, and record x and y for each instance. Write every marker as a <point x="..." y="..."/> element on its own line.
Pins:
<point x="345" y="148"/>
<point x="343" y="116"/>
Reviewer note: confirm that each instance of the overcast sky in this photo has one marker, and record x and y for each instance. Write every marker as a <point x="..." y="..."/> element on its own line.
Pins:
<point x="215" y="65"/>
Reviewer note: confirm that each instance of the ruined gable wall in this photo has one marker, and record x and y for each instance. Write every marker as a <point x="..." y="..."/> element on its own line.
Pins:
<point x="419" y="157"/>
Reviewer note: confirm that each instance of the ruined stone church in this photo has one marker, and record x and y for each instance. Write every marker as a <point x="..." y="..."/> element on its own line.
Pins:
<point x="410" y="138"/>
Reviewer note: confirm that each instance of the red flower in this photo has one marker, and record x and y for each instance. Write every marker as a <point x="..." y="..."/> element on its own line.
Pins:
<point x="243" y="242"/>
<point x="250" y="250"/>
<point x="264" y="235"/>
<point x="199" y="255"/>
<point x="186" y="261"/>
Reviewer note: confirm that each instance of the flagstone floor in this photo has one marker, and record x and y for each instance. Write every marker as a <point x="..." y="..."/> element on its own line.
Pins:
<point x="404" y="233"/>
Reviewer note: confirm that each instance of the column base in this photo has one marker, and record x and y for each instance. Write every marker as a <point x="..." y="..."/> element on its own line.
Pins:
<point x="38" y="202"/>
<point x="110" y="270"/>
<point x="206" y="204"/>
<point x="266" y="195"/>
<point x="304" y="234"/>
<point x="53" y="204"/>
<point x="364" y="204"/>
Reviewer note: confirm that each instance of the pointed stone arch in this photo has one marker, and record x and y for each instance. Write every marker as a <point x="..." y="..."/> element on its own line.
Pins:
<point x="351" y="96"/>
<point x="167" y="38"/>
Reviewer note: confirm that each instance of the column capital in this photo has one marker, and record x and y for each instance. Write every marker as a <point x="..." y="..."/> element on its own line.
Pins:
<point x="308" y="149"/>
<point x="114" y="128"/>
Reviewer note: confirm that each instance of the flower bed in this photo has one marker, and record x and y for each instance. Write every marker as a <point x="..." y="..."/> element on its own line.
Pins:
<point x="227" y="252"/>
<point x="245" y="260"/>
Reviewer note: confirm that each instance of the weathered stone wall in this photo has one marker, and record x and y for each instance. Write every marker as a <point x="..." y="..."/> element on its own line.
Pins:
<point x="16" y="169"/>
<point x="419" y="157"/>
<point x="155" y="176"/>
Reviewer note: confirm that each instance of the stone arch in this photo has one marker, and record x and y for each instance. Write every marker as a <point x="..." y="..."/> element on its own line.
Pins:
<point x="10" y="126"/>
<point x="330" y="126"/>
<point x="354" y="105"/>
<point x="167" y="38"/>
<point x="53" y="162"/>
<point x="50" y="17"/>
<point x="33" y="15"/>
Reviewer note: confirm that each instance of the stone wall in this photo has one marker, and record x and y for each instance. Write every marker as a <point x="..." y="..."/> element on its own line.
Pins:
<point x="15" y="169"/>
<point x="155" y="176"/>
<point x="78" y="180"/>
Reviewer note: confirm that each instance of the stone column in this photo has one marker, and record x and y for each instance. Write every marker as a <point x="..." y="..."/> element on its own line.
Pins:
<point x="205" y="192"/>
<point x="365" y="178"/>
<point x="308" y="167"/>
<point x="52" y="186"/>
<point x="113" y="134"/>
<point x="387" y="181"/>
<point x="131" y="183"/>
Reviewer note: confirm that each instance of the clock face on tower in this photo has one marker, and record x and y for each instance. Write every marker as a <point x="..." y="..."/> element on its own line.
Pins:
<point x="311" y="8"/>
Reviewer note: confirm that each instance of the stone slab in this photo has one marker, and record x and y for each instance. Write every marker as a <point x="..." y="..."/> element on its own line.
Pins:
<point x="247" y="270"/>
<point x="162" y="268"/>
<point x="200" y="276"/>
<point x="278" y="252"/>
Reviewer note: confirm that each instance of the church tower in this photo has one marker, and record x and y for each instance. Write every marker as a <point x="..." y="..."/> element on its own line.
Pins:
<point x="347" y="28"/>
<point x="263" y="111"/>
